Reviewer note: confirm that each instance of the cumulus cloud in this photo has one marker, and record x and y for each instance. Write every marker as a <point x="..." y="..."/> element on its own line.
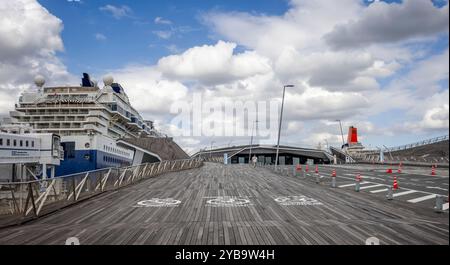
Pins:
<point x="316" y="103"/>
<point x="213" y="64"/>
<point x="434" y="119"/>
<point x="325" y="69"/>
<point x="148" y="91"/>
<point x="390" y="22"/>
<point x="30" y="37"/>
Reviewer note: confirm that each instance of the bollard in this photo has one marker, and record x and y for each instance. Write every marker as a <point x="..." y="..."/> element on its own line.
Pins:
<point x="439" y="207"/>
<point x="333" y="178"/>
<point x="390" y="195"/>
<point x="358" y="182"/>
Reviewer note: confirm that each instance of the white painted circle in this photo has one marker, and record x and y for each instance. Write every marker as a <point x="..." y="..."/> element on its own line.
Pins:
<point x="156" y="202"/>
<point x="228" y="201"/>
<point x="297" y="200"/>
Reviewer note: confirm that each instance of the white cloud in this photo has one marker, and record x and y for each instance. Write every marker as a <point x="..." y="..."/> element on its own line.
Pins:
<point x="434" y="119"/>
<point x="163" y="34"/>
<point x="117" y="12"/>
<point x="317" y="103"/>
<point x="30" y="37"/>
<point x="100" y="37"/>
<point x="213" y="64"/>
<point x="160" y="20"/>
<point x="148" y="91"/>
<point x="173" y="48"/>
<point x="390" y="22"/>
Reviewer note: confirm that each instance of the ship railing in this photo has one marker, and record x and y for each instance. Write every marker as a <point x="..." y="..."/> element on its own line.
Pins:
<point x="24" y="201"/>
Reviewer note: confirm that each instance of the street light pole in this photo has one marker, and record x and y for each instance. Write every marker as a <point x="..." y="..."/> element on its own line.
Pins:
<point x="279" y="126"/>
<point x="210" y="151"/>
<point x="251" y="142"/>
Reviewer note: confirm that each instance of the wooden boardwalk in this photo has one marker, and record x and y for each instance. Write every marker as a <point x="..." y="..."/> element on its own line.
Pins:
<point x="343" y="217"/>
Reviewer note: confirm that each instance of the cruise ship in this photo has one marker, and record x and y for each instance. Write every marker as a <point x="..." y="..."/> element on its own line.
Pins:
<point x="89" y="120"/>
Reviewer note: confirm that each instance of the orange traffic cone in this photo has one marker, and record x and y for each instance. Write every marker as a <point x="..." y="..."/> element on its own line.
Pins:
<point x="433" y="170"/>
<point x="389" y="171"/>
<point x="333" y="174"/>
<point x="395" y="185"/>
<point x="358" y="177"/>
<point x="317" y="169"/>
<point x="298" y="167"/>
<point x="399" y="170"/>
<point x="306" y="168"/>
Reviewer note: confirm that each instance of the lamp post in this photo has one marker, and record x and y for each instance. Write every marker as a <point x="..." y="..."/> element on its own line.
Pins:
<point x="210" y="151"/>
<point x="279" y="126"/>
<point x="251" y="142"/>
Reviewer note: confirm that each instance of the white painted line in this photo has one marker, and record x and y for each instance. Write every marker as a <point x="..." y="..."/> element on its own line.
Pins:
<point x="423" y="198"/>
<point x="404" y="193"/>
<point x="378" y="191"/>
<point x="371" y="186"/>
<point x="437" y="188"/>
<point x="349" y="185"/>
<point x="445" y="206"/>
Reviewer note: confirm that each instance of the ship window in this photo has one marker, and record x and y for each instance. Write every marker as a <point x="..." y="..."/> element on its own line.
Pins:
<point x="32" y="143"/>
<point x="1" y="141"/>
<point x="26" y="143"/>
<point x="69" y="149"/>
<point x="8" y="142"/>
<point x="14" y="142"/>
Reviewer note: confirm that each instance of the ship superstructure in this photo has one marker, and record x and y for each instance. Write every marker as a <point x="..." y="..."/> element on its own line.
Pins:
<point x="89" y="120"/>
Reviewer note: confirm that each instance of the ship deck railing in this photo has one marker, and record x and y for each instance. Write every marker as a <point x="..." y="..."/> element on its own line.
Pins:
<point x="23" y="201"/>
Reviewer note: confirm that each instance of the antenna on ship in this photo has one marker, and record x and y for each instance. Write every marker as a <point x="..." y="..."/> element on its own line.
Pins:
<point x="39" y="81"/>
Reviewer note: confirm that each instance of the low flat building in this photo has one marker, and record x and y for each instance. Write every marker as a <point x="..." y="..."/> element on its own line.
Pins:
<point x="266" y="154"/>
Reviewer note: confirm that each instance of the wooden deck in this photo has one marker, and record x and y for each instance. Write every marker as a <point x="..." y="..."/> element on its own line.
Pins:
<point x="344" y="217"/>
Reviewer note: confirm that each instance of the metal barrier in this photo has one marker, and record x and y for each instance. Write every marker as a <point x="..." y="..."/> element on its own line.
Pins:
<point x="23" y="201"/>
<point x="213" y="159"/>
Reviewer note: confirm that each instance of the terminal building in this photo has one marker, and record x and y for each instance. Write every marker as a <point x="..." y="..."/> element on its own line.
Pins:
<point x="266" y="154"/>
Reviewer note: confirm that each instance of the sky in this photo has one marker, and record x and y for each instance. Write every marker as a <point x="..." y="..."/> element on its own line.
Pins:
<point x="381" y="66"/>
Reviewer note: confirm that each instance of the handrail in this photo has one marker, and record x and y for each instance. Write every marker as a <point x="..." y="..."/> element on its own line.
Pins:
<point x="420" y="143"/>
<point x="23" y="201"/>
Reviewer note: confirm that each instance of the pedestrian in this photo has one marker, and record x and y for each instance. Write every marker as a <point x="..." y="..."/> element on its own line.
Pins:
<point x="254" y="160"/>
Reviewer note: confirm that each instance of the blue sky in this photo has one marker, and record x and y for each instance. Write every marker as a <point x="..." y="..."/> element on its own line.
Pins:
<point x="131" y="38"/>
<point x="381" y="66"/>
